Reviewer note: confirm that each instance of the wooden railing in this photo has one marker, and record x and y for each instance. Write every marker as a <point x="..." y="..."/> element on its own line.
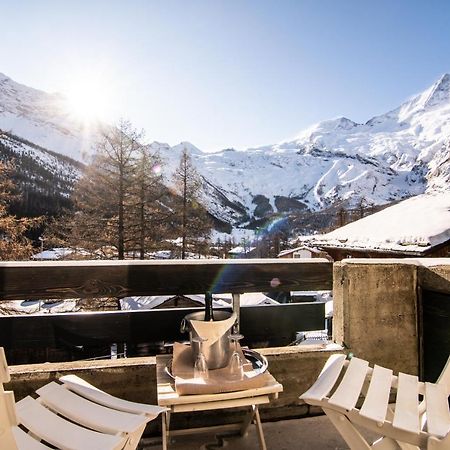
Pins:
<point x="96" y="279"/>
<point x="86" y="279"/>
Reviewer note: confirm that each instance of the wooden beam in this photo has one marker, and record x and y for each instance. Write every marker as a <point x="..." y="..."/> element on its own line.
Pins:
<point x="90" y="279"/>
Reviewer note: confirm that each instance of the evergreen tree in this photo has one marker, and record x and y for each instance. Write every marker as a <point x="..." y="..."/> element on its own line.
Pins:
<point x="194" y="223"/>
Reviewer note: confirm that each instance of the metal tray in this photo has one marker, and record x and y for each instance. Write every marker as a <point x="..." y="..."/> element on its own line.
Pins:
<point x="258" y="361"/>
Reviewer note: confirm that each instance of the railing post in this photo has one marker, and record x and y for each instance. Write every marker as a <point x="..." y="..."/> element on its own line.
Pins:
<point x="237" y="311"/>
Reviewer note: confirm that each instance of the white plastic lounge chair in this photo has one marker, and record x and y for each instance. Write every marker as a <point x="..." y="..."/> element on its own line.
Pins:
<point x="420" y="417"/>
<point x="73" y="415"/>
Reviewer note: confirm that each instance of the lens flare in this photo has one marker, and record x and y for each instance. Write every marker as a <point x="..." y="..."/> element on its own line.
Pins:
<point x="88" y="97"/>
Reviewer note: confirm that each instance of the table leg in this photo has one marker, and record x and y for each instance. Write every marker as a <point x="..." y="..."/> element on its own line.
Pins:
<point x="165" y="417"/>
<point x="247" y="421"/>
<point x="259" y="430"/>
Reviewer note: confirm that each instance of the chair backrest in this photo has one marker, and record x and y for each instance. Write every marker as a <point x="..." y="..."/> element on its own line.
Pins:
<point x="444" y="377"/>
<point x="4" y="371"/>
<point x="8" y="418"/>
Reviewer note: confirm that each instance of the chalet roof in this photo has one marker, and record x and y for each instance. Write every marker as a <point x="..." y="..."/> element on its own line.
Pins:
<point x="239" y="250"/>
<point x="413" y="226"/>
<point x="53" y="253"/>
<point x="219" y="300"/>
<point x="303" y="247"/>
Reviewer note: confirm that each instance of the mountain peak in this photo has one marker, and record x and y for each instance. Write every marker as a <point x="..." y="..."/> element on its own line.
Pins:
<point x="438" y="93"/>
<point x="328" y="126"/>
<point x="445" y="80"/>
<point x="191" y="148"/>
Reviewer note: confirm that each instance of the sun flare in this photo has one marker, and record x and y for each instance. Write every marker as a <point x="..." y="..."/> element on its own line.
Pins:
<point x="88" y="99"/>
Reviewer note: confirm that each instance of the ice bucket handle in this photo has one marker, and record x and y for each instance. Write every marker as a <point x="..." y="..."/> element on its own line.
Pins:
<point x="184" y="328"/>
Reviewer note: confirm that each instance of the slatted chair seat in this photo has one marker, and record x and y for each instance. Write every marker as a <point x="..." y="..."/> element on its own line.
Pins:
<point x="25" y="440"/>
<point x="86" y="390"/>
<point x="61" y="433"/>
<point x="420" y="417"/>
<point x="73" y="415"/>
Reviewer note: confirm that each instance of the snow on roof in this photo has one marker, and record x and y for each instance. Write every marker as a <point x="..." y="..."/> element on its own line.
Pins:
<point x="249" y="299"/>
<point x="39" y="306"/>
<point x="152" y="301"/>
<point x="414" y="225"/>
<point x="303" y="247"/>
<point x="53" y="253"/>
<point x="161" y="254"/>
<point x="219" y="300"/>
<point x="241" y="250"/>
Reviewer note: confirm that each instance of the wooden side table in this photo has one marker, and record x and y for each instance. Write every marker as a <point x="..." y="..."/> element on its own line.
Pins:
<point x="168" y="397"/>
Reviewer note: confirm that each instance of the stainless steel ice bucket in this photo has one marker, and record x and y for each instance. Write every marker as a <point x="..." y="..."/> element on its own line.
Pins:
<point x="218" y="354"/>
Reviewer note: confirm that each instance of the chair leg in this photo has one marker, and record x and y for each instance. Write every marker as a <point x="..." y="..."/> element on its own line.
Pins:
<point x="406" y="446"/>
<point x="7" y="420"/>
<point x="351" y="435"/>
<point x="436" y="444"/>
<point x="134" y="438"/>
<point x="385" y="443"/>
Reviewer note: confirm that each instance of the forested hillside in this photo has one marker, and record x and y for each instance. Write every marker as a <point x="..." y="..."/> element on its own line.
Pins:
<point x="44" y="179"/>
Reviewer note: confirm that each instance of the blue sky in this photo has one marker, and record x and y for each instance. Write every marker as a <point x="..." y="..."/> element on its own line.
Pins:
<point x="230" y="73"/>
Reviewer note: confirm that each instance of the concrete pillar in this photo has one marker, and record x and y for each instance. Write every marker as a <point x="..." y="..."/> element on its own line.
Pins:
<point x="376" y="311"/>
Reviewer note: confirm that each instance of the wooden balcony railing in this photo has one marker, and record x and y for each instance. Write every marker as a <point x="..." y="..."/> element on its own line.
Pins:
<point x="99" y="279"/>
<point x="85" y="279"/>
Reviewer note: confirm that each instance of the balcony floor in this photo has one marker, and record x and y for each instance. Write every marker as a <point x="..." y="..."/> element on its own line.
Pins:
<point x="312" y="433"/>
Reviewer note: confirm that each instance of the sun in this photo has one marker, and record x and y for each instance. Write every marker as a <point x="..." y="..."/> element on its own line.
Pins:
<point x="87" y="98"/>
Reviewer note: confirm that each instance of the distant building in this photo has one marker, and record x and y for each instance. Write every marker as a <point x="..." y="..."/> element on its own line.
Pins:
<point x="416" y="227"/>
<point x="242" y="252"/>
<point x="303" y="252"/>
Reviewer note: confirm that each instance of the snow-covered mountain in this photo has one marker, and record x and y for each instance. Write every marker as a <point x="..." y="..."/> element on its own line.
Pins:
<point x="401" y="153"/>
<point x="45" y="120"/>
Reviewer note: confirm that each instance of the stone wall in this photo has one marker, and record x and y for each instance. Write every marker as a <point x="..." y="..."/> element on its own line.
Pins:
<point x="377" y="307"/>
<point x="375" y="311"/>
